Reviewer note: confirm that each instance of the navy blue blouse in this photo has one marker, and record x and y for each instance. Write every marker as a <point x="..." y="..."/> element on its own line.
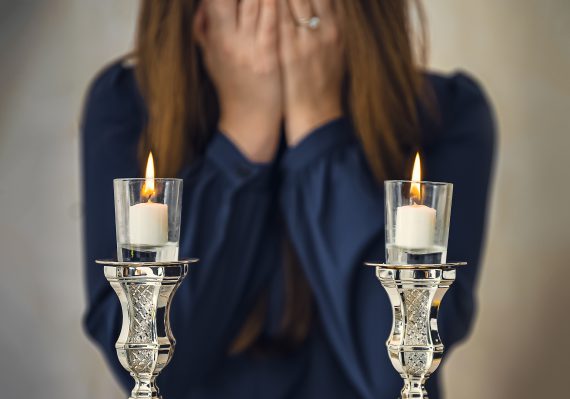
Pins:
<point x="334" y="213"/>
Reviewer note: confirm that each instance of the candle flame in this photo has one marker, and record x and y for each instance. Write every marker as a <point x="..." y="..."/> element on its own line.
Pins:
<point x="148" y="186"/>
<point x="415" y="189"/>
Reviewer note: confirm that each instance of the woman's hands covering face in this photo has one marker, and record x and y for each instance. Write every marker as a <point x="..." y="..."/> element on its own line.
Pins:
<point x="312" y="66"/>
<point x="267" y="68"/>
<point x="239" y="42"/>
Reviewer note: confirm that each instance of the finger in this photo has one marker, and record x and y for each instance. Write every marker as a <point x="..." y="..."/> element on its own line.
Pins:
<point x="267" y="37"/>
<point x="248" y="16"/>
<point x="286" y="27"/>
<point x="330" y="28"/>
<point x="323" y="8"/>
<point x="268" y="19"/>
<point x="222" y="14"/>
<point x="286" y="19"/>
<point x="301" y="9"/>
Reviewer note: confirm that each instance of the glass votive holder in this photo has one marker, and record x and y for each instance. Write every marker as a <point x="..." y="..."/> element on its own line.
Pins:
<point x="417" y="221"/>
<point x="147" y="219"/>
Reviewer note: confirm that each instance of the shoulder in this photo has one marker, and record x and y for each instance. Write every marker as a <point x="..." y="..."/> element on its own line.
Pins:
<point x="113" y="100"/>
<point x="463" y="109"/>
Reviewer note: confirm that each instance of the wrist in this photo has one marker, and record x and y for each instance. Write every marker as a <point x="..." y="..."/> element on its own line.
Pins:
<point x="257" y="137"/>
<point x="301" y="122"/>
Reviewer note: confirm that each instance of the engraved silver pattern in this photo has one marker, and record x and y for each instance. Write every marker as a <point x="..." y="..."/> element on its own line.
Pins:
<point x="141" y="312"/>
<point x="415" y="363"/>
<point x="145" y="344"/>
<point x="141" y="360"/>
<point x="416" y="303"/>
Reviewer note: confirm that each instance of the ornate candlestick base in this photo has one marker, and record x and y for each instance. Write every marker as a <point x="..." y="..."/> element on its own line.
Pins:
<point x="145" y="344"/>
<point x="414" y="345"/>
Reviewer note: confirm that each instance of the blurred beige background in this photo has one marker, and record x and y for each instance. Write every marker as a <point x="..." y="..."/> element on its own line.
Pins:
<point x="519" y="49"/>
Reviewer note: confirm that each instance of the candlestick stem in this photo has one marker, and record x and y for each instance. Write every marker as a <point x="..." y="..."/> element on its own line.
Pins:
<point x="146" y="343"/>
<point x="414" y="345"/>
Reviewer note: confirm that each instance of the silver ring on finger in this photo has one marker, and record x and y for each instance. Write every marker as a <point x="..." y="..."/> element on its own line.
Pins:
<point x="311" y="23"/>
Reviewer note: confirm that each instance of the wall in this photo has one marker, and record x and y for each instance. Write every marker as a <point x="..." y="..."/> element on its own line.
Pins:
<point x="49" y="50"/>
<point x="518" y="49"/>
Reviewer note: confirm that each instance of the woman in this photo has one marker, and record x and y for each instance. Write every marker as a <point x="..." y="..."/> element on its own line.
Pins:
<point x="283" y="127"/>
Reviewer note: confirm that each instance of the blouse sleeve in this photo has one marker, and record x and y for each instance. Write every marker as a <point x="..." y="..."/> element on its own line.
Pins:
<point x="463" y="155"/>
<point x="334" y="211"/>
<point x="227" y="202"/>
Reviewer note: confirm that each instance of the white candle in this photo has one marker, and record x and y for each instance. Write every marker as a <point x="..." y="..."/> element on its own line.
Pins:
<point x="415" y="226"/>
<point x="148" y="224"/>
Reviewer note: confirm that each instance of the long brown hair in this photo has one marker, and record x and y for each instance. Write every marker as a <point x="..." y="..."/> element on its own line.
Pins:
<point x="382" y="89"/>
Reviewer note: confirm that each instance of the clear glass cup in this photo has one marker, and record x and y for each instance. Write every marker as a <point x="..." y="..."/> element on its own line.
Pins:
<point x="147" y="219"/>
<point x="417" y="221"/>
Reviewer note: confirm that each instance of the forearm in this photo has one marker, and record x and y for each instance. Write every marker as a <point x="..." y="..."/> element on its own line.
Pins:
<point x="255" y="134"/>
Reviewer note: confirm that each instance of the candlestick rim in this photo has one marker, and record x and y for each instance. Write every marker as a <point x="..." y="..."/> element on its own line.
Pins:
<point x="172" y="263"/>
<point x="434" y="183"/>
<point x="423" y="266"/>
<point x="143" y="179"/>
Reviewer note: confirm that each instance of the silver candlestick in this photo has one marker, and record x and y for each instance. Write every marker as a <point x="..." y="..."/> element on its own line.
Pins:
<point x="146" y="343"/>
<point x="414" y="345"/>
